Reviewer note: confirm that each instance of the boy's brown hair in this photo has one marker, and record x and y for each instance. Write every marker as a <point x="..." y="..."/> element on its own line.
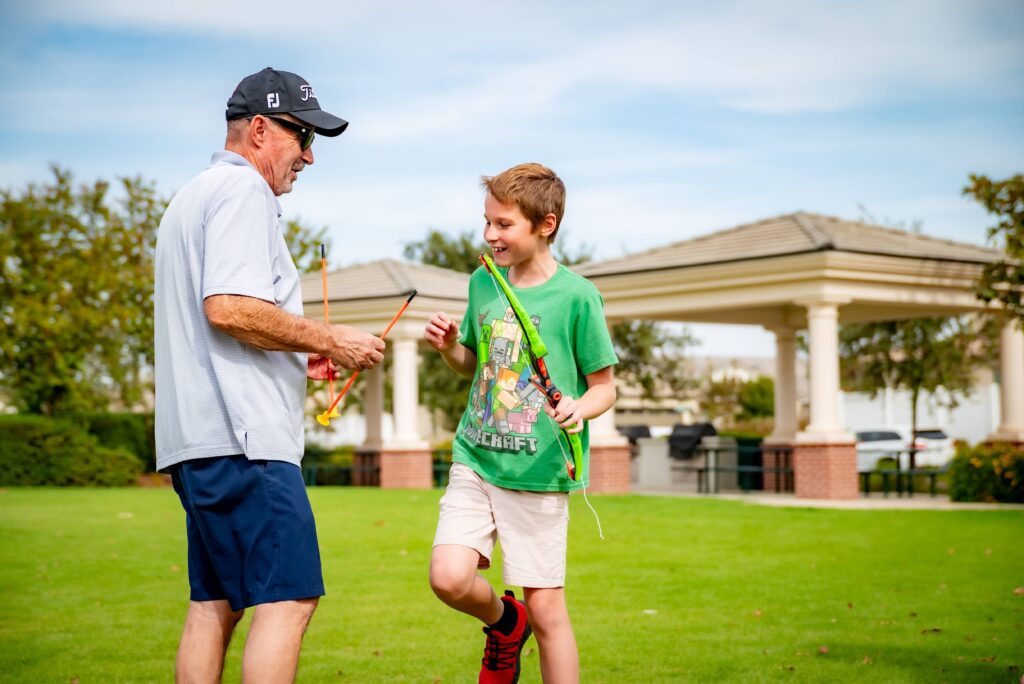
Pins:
<point x="534" y="188"/>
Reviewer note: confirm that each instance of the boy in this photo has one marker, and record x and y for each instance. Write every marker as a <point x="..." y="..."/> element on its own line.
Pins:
<point x="509" y="478"/>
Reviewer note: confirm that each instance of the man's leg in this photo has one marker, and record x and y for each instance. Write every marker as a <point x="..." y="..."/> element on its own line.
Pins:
<point x="275" y="637"/>
<point x="454" y="579"/>
<point x="207" y="633"/>
<point x="549" y="617"/>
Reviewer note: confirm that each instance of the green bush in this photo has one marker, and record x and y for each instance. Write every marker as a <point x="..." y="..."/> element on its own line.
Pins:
<point x="987" y="472"/>
<point x="750" y="428"/>
<point x="317" y="455"/>
<point x="35" y="450"/>
<point x="133" y="432"/>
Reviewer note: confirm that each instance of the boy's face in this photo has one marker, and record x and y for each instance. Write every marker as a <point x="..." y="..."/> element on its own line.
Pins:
<point x="510" y="235"/>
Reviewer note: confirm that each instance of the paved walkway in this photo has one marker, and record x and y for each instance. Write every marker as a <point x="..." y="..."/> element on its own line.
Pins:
<point x="873" y="502"/>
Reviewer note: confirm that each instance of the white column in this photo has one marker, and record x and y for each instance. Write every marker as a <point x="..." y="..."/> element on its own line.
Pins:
<point x="1011" y="385"/>
<point x="373" y="406"/>
<point x="823" y="329"/>
<point x="786" y="422"/>
<point x="603" y="432"/>
<point x="405" y="400"/>
<point x="602" y="428"/>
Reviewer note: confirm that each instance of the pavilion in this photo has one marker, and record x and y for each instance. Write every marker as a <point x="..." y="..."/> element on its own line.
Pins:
<point x="786" y="273"/>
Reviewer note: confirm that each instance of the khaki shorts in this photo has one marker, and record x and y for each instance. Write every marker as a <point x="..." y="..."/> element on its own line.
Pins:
<point x="532" y="527"/>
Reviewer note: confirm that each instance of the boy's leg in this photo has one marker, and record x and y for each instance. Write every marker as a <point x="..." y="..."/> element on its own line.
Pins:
<point x="205" y="639"/>
<point x="549" y="617"/>
<point x="454" y="579"/>
<point x="275" y="637"/>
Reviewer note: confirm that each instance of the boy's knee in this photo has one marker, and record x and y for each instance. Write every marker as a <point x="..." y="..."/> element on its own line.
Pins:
<point x="450" y="583"/>
<point x="547" y="612"/>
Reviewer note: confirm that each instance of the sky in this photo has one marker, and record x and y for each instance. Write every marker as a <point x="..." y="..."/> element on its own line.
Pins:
<point x="666" y="120"/>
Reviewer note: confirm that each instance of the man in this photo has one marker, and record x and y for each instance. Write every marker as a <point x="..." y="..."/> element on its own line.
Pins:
<point x="233" y="352"/>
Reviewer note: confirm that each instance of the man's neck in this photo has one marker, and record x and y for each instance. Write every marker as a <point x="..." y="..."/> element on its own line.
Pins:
<point x="253" y="158"/>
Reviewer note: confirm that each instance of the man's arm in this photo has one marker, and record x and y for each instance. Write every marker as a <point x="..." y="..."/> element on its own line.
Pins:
<point x="259" y="323"/>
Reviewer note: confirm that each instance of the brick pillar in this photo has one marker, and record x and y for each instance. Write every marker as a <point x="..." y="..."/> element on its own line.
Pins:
<point x="366" y="468"/>
<point x="406" y="469"/>
<point x="609" y="469"/>
<point x="769" y="459"/>
<point x="825" y="471"/>
<point x="777" y="455"/>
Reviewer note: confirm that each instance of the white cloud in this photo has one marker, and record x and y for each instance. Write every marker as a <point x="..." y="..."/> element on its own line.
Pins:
<point x="754" y="56"/>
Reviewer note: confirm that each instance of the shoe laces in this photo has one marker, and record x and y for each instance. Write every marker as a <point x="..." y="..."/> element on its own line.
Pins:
<point x="500" y="652"/>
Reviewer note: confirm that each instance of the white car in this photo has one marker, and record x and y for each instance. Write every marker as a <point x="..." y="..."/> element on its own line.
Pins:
<point x="938" y="447"/>
<point x="933" y="446"/>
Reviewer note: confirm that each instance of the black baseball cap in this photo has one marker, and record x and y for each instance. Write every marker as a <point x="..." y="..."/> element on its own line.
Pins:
<point x="281" y="92"/>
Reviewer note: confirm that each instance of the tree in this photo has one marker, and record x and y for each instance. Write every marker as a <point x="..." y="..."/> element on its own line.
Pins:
<point x="304" y="245"/>
<point x="650" y="356"/>
<point x="720" y="398"/>
<point x="76" y="293"/>
<point x="757" y="398"/>
<point x="919" y="355"/>
<point x="1002" y="281"/>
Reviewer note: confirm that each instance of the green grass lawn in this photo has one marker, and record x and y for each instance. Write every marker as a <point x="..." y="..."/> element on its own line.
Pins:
<point x="95" y="588"/>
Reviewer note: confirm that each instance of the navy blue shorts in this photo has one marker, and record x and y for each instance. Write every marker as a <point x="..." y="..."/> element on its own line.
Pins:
<point x="251" y="535"/>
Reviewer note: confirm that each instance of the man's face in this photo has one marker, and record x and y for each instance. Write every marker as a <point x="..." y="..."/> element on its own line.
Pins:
<point x="285" y="157"/>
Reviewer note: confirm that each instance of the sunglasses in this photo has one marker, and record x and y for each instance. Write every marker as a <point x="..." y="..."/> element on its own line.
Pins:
<point x="306" y="133"/>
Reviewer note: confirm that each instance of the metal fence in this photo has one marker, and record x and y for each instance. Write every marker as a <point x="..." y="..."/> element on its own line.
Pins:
<point x="364" y="471"/>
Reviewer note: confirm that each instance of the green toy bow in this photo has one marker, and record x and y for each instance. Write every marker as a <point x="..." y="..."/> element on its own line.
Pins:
<point x="536" y="350"/>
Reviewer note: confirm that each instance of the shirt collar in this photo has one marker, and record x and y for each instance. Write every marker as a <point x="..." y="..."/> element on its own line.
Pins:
<point x="235" y="159"/>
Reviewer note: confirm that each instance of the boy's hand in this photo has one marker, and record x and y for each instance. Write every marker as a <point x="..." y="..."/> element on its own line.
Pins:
<point x="441" y="332"/>
<point x="567" y="414"/>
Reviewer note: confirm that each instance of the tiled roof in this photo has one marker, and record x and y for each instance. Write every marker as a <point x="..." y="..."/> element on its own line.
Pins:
<point x="793" y="234"/>
<point x="385" y="278"/>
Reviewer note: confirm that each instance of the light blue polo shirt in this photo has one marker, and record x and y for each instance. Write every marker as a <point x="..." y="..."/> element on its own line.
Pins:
<point x="216" y="396"/>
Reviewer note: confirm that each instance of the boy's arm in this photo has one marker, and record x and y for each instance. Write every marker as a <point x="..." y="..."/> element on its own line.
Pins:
<point x="442" y="334"/>
<point x="599" y="397"/>
<point x="461" y="360"/>
<point x="600" y="394"/>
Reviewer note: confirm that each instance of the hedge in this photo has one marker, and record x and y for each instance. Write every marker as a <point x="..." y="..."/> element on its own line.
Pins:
<point x="133" y="432"/>
<point x="987" y="472"/>
<point x="36" y="450"/>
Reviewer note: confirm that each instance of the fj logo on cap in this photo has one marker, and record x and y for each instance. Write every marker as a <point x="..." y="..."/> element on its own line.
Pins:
<point x="307" y="92"/>
<point x="273" y="100"/>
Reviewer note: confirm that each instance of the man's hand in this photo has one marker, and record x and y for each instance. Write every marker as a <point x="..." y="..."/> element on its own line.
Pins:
<point x="354" y="349"/>
<point x="321" y="368"/>
<point x="441" y="332"/>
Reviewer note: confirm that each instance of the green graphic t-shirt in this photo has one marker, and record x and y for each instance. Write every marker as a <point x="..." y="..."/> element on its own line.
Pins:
<point x="504" y="435"/>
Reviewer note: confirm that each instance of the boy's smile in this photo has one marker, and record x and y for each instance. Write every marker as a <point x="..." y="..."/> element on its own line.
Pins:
<point x="511" y="236"/>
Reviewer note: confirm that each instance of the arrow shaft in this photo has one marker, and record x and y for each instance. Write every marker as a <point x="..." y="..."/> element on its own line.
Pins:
<point x="385" y="334"/>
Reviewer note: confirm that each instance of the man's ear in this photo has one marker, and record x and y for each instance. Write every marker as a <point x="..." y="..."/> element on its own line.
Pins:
<point x="258" y="131"/>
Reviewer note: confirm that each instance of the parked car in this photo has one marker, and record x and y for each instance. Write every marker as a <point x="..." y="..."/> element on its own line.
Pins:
<point x="938" y="447"/>
<point x="933" y="447"/>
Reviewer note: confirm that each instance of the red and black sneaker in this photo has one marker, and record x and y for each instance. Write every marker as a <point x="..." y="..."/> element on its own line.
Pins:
<point x="501" y="655"/>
